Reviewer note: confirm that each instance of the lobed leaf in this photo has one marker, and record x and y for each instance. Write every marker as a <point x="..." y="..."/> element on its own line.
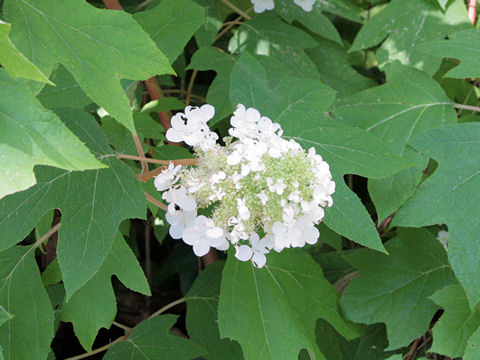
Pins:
<point x="395" y="288"/>
<point x="93" y="203"/>
<point x="98" y="52"/>
<point x="407" y="105"/>
<point x="102" y="307"/>
<point x="28" y="334"/>
<point x="451" y="196"/>
<point x="272" y="311"/>
<point x="404" y="24"/>
<point x="150" y="340"/>
<point x="32" y="135"/>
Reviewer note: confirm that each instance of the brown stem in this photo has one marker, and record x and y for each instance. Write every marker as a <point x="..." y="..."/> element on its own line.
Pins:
<point x="190" y="87"/>
<point x="101" y="349"/>
<point x="156" y="202"/>
<point x="113" y="4"/>
<point x="156" y="93"/>
<point x="467" y="107"/>
<point x="49" y="233"/>
<point x="143" y="160"/>
<point x="472" y="11"/>
<point x="155" y="172"/>
<point x="228" y="27"/>
<point x="237" y="10"/>
<point x="413" y="350"/>
<point x="166" y="307"/>
<point x="210" y="257"/>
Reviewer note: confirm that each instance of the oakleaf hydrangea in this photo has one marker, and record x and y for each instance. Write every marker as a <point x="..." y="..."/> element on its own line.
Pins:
<point x="260" y="6"/>
<point x="265" y="193"/>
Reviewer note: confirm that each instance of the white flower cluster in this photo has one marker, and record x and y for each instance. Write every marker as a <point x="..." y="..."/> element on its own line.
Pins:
<point x="260" y="6"/>
<point x="264" y="192"/>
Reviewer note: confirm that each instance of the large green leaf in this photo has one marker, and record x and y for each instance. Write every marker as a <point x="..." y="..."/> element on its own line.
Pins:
<point x="394" y="288"/>
<point x="314" y="20"/>
<point x="93" y="203"/>
<point x="369" y="346"/>
<point x="407" y="23"/>
<point x="31" y="135"/>
<point x="209" y="58"/>
<point x="202" y="318"/>
<point x="102" y="307"/>
<point x="472" y="350"/>
<point x="335" y="70"/>
<point x="268" y="35"/>
<point x="343" y="8"/>
<point x="457" y="324"/>
<point x="98" y="52"/>
<point x="13" y="60"/>
<point x="463" y="45"/>
<point x="171" y="24"/>
<point x="272" y="311"/>
<point x="65" y="93"/>
<point x="150" y="340"/>
<point x="407" y="105"/>
<point x="451" y="196"/>
<point x="28" y="334"/>
<point x="299" y="106"/>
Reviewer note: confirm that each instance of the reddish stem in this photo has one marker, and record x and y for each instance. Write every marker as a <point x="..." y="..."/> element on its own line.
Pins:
<point x="113" y="4"/>
<point x="472" y="11"/>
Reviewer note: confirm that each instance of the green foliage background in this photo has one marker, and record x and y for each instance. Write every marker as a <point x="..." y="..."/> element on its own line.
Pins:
<point x="386" y="91"/>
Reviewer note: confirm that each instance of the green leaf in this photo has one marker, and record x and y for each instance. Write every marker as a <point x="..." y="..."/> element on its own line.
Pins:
<point x="150" y="340"/>
<point x="25" y="143"/>
<point x="462" y="45"/>
<point x="202" y="323"/>
<point x="65" y="93"/>
<point x="5" y="316"/>
<point x="102" y="307"/>
<point x="369" y="346"/>
<point x="268" y="35"/>
<point x="451" y="196"/>
<point x="93" y="203"/>
<point x="335" y="70"/>
<point x="394" y="288"/>
<point x="209" y="58"/>
<point x="299" y="106"/>
<point x="407" y="23"/>
<point x="28" y="334"/>
<point x="343" y="8"/>
<point x="272" y="311"/>
<point x="171" y="24"/>
<point x="13" y="60"/>
<point x="52" y="274"/>
<point x="314" y="20"/>
<point x="457" y="324"/>
<point x="205" y="36"/>
<point x="162" y="105"/>
<point x="443" y="3"/>
<point x="407" y="105"/>
<point x="472" y="350"/>
<point x="97" y="52"/>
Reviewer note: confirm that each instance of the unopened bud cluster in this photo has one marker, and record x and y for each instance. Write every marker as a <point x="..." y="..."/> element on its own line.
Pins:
<point x="264" y="192"/>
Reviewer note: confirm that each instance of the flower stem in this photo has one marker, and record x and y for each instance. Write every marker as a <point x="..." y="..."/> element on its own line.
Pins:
<point x="166" y="307"/>
<point x="236" y="9"/>
<point x="467" y="107"/>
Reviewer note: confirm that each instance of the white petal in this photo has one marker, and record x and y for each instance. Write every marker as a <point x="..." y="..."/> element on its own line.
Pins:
<point x="208" y="111"/>
<point x="174" y="135"/>
<point x="201" y="248"/>
<point x="214" y="233"/>
<point x="173" y="218"/>
<point x="223" y="246"/>
<point x="187" y="203"/>
<point x="176" y="231"/>
<point x="191" y="235"/>
<point x="244" y="253"/>
<point x="259" y="259"/>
